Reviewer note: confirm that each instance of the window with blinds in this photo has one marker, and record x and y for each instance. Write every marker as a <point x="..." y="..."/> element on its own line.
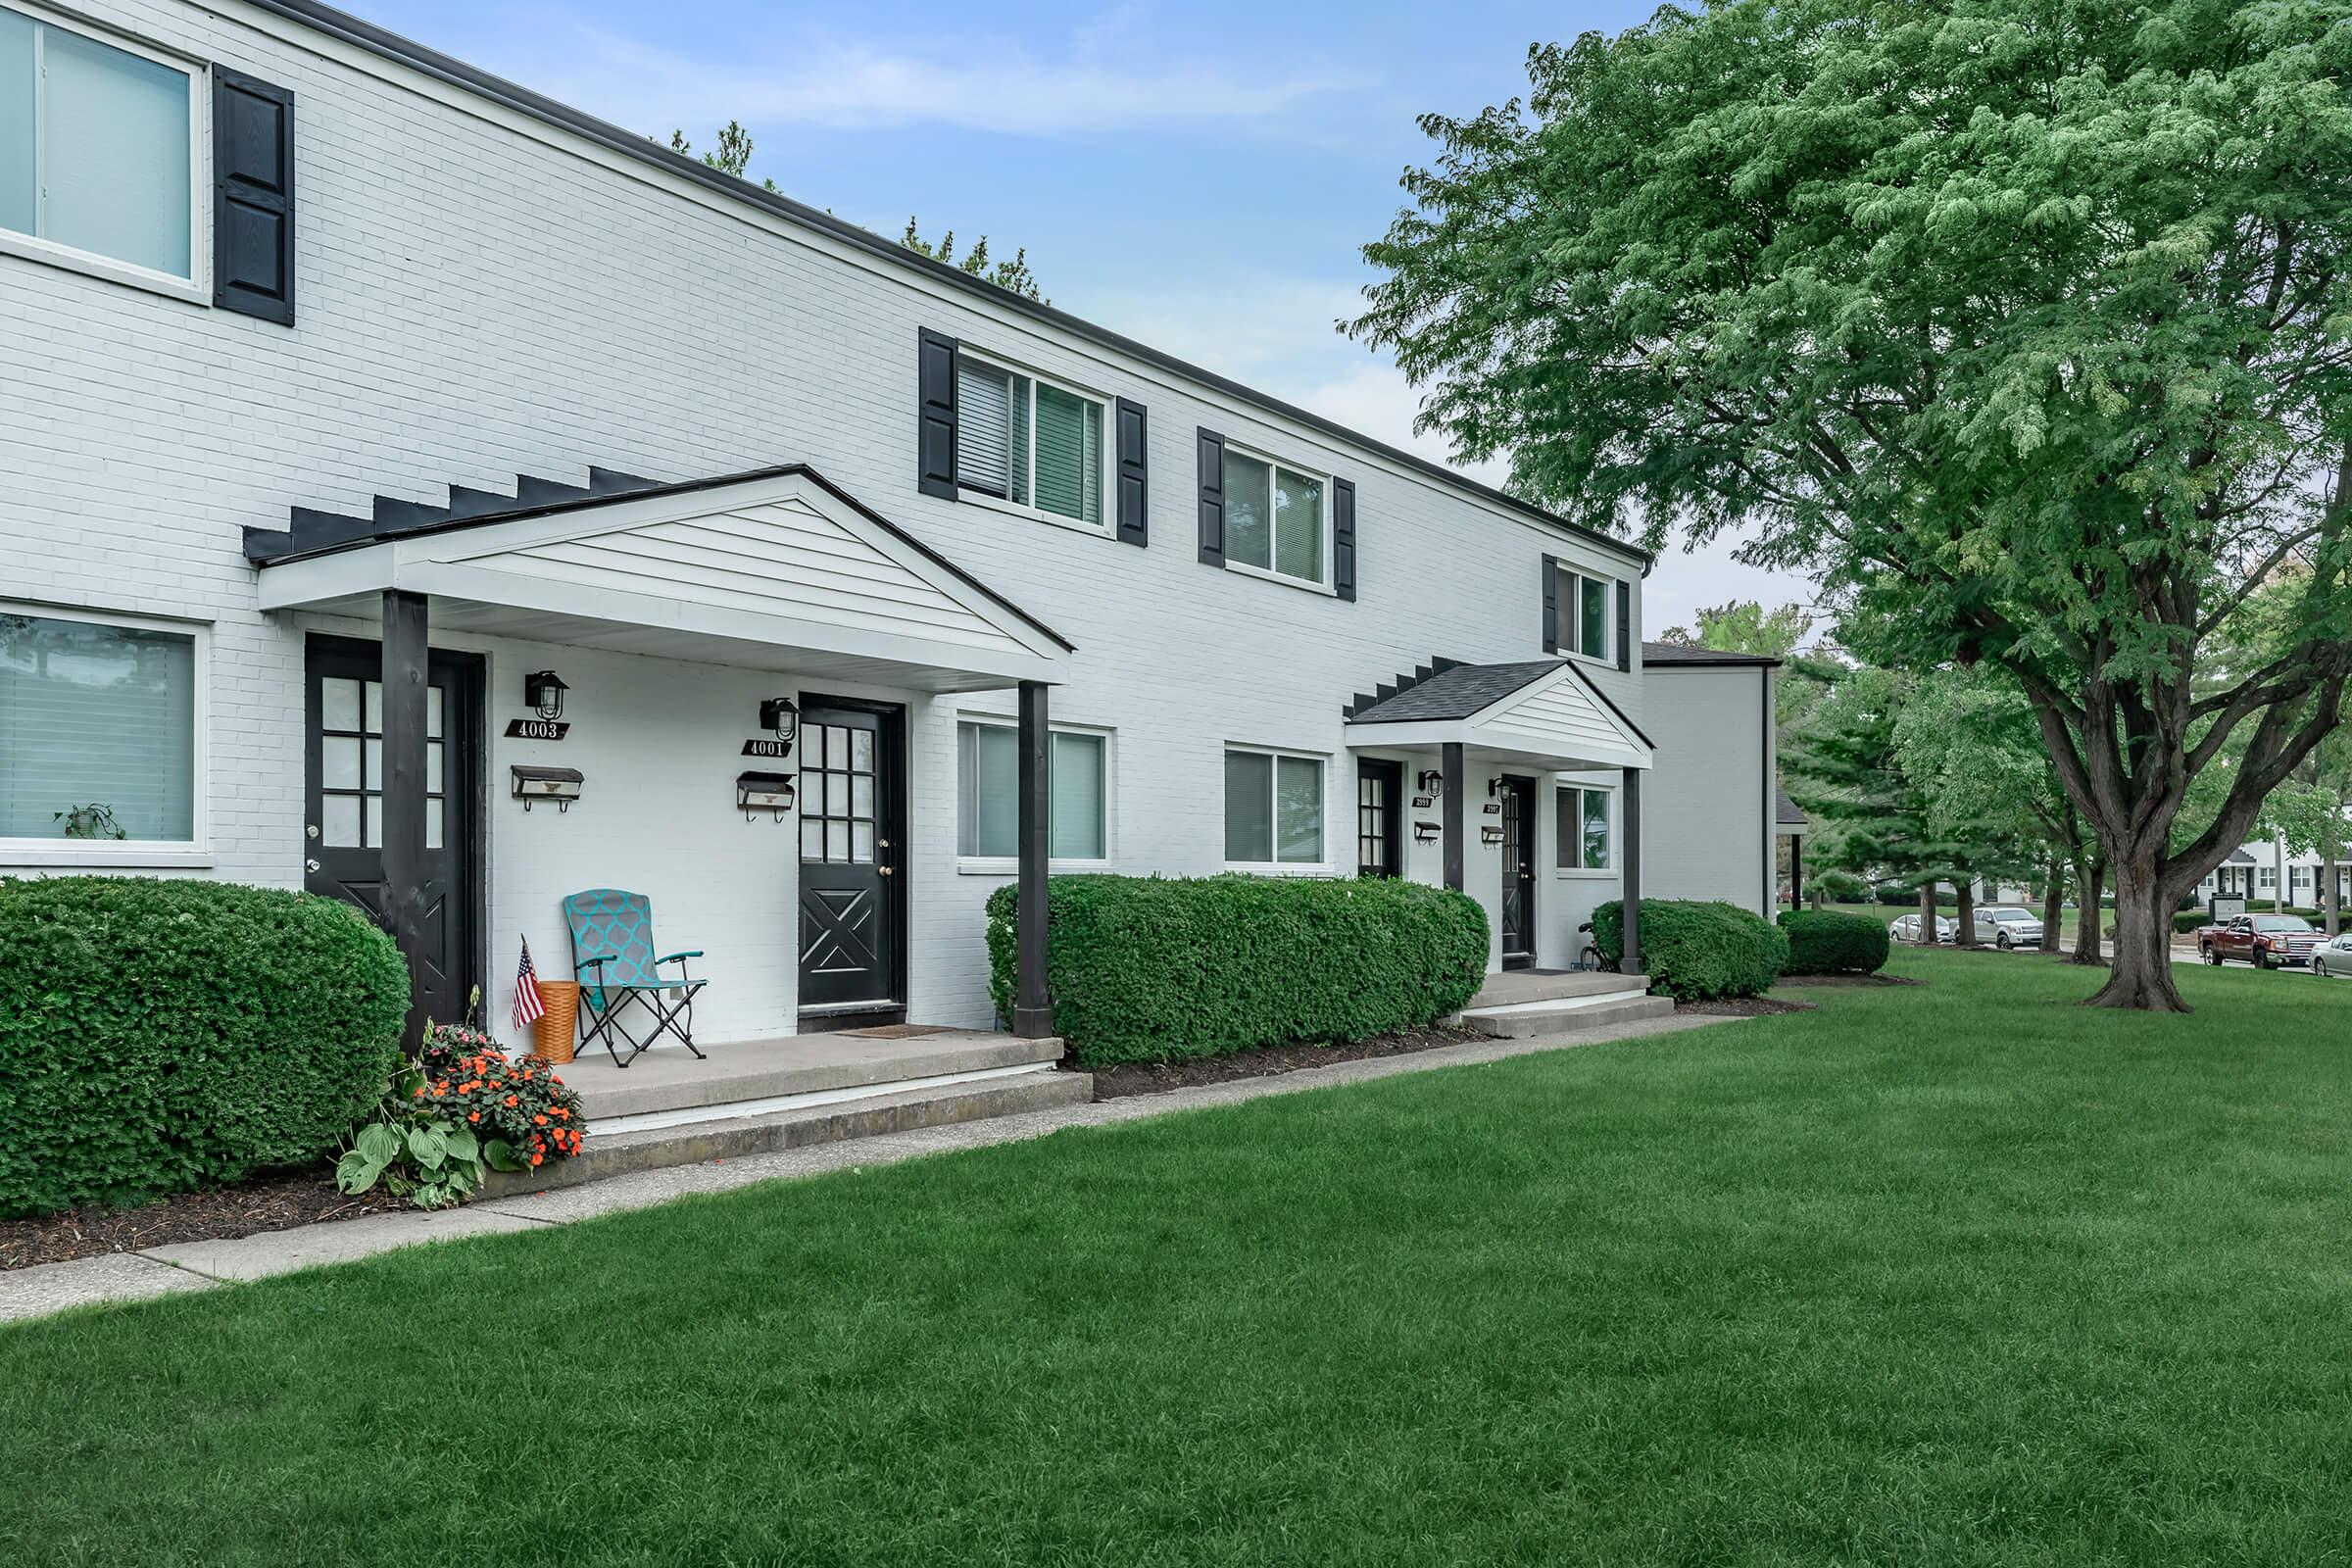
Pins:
<point x="93" y="715"/>
<point x="988" y="799"/>
<point x="1028" y="441"/>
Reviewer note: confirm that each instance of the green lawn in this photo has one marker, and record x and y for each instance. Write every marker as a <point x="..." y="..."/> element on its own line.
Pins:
<point x="1934" y="1276"/>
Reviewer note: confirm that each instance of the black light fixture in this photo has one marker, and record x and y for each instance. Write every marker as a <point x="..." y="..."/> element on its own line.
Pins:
<point x="780" y="716"/>
<point x="1431" y="782"/>
<point x="543" y="690"/>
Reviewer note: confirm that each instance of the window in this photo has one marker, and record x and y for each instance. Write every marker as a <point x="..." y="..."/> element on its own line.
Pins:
<point x="97" y="147"/>
<point x="1583" y="839"/>
<point x="351" y="763"/>
<point x="988" y="813"/>
<point x="1028" y="441"/>
<point x="2267" y="877"/>
<point x="1273" y="808"/>
<point x="1275" y="517"/>
<point x="98" y="735"/>
<point x="1584" y="615"/>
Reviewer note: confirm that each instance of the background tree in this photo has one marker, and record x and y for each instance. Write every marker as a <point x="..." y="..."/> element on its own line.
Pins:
<point x="1845" y="767"/>
<point x="733" y="156"/>
<point x="1744" y="626"/>
<point x="2024" y="325"/>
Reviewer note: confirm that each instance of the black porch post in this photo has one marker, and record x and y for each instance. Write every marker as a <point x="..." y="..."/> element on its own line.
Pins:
<point x="1631" y="828"/>
<point x="1797" y="871"/>
<point x="405" y="899"/>
<point x="1033" y="1011"/>
<point x="1449" y="762"/>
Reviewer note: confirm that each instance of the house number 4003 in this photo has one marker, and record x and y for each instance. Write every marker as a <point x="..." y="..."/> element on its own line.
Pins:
<point x="537" y="729"/>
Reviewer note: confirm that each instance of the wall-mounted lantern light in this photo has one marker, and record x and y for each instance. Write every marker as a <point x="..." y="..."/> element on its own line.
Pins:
<point x="763" y="791"/>
<point x="1490" y="835"/>
<point x="780" y="716"/>
<point x="1425" y="832"/>
<point x="1431" y="782"/>
<point x="533" y="783"/>
<point x="543" y="690"/>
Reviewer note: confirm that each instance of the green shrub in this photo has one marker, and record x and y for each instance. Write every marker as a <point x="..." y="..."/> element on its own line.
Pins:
<point x="1158" y="968"/>
<point x="1697" y="951"/>
<point x="157" y="1036"/>
<point x="1838" y="887"/>
<point x="1827" y="942"/>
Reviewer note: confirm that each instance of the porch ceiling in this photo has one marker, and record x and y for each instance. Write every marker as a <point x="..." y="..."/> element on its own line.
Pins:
<point x="778" y="570"/>
<point x="1545" y="714"/>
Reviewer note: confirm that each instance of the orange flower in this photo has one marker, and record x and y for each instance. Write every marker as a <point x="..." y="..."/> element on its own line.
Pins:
<point x="473" y="1115"/>
<point x="535" y="1159"/>
<point x="541" y="1121"/>
<point x="512" y="1100"/>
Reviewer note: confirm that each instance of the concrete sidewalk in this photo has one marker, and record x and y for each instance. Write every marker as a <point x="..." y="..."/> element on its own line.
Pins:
<point x="201" y="1265"/>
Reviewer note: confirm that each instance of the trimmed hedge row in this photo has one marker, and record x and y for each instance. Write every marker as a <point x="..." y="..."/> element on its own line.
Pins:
<point x="157" y="1036"/>
<point x="1158" y="968"/>
<point x="1695" y="950"/>
<point x="1829" y="941"/>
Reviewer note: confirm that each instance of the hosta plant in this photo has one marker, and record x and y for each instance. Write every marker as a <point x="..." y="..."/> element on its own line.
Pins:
<point x="463" y="1109"/>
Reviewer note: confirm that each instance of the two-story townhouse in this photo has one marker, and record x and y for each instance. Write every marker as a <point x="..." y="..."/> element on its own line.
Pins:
<point x="417" y="490"/>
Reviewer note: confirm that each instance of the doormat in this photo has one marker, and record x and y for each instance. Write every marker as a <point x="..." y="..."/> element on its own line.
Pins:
<point x="898" y="1031"/>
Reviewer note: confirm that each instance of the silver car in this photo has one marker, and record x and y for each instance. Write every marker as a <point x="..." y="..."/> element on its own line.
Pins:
<point x="1905" y="928"/>
<point x="2005" y="925"/>
<point x="2332" y="960"/>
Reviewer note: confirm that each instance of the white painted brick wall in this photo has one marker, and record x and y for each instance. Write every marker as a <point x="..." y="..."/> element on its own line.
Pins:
<point x="1708" y="807"/>
<point x="479" y="296"/>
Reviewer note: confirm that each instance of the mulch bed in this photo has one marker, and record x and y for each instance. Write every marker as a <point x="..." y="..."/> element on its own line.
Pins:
<point x="1159" y="1077"/>
<point x="1794" y="981"/>
<point x="276" y="1202"/>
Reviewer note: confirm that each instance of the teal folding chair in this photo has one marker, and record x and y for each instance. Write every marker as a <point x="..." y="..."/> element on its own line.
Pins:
<point x="612" y="958"/>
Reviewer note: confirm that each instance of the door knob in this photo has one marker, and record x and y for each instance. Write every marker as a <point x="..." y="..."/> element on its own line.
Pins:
<point x="309" y="866"/>
<point x="886" y="870"/>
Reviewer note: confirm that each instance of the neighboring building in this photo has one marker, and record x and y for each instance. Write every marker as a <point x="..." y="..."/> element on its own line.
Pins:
<point x="338" y="360"/>
<point x="2252" y="872"/>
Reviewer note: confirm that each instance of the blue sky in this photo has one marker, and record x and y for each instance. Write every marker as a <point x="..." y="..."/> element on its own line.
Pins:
<point x="1197" y="176"/>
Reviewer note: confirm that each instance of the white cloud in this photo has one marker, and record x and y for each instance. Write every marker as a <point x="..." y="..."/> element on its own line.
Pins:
<point x="1096" y="84"/>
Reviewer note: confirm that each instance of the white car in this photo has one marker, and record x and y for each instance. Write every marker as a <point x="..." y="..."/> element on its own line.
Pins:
<point x="1906" y="928"/>
<point x="2005" y="925"/>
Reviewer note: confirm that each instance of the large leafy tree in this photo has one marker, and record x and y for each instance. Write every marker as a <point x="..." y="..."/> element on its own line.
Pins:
<point x="2025" y="325"/>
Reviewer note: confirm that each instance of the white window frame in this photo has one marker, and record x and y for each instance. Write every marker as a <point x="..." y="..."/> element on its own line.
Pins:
<point x="1010" y="865"/>
<point x="1581" y="872"/>
<point x="1324" y="865"/>
<point x="1572" y="620"/>
<point x="196" y="290"/>
<point x="155" y="854"/>
<point x="1107" y="527"/>
<point x="1329" y="482"/>
<point x="2266" y="878"/>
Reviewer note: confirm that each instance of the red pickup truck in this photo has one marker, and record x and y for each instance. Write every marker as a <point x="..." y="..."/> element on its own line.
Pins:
<point x="2264" y="940"/>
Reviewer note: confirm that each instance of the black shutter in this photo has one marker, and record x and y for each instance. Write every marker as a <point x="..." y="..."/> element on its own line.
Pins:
<point x="1342" y="537"/>
<point x="253" y="197"/>
<point x="1551" y="604"/>
<point x="1625" y="625"/>
<point x="1134" y="490"/>
<point x="935" y="415"/>
<point x="1212" y="498"/>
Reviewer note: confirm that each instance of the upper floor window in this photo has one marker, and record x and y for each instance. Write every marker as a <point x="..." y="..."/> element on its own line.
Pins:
<point x="97" y="147"/>
<point x="98" y="732"/>
<point x="1275" y="517"/>
<point x="1028" y="441"/>
<point x="1584" y="615"/>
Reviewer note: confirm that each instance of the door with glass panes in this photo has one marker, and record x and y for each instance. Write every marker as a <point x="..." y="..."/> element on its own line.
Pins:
<point x="852" y="858"/>
<point x="343" y="837"/>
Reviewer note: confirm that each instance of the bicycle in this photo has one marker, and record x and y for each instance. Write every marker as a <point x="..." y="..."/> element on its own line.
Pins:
<point x="1589" y="957"/>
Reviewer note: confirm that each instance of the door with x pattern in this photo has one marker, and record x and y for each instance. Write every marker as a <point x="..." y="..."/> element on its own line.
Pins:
<point x="853" y="856"/>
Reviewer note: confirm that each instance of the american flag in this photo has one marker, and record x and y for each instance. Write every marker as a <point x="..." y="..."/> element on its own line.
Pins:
<point x="529" y="1007"/>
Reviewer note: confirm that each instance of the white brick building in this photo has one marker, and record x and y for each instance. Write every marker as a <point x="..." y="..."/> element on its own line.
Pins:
<point x="283" y="342"/>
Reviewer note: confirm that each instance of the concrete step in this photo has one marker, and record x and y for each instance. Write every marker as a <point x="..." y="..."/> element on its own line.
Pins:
<point x="690" y="1143"/>
<point x="1527" y="1020"/>
<point x="1513" y="987"/>
<point x="758" y="1073"/>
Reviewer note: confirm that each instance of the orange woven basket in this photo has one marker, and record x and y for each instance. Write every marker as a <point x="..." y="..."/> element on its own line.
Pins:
<point x="554" y="1034"/>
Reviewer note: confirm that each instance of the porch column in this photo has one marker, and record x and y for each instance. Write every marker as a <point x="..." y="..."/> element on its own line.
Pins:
<point x="1630" y="830"/>
<point x="405" y="899"/>
<point x="1033" y="1010"/>
<point x="1449" y="762"/>
<point x="1796" y="870"/>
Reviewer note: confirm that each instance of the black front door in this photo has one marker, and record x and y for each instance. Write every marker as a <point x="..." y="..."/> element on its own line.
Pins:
<point x="853" y="856"/>
<point x="1518" y="871"/>
<point x="1379" y="817"/>
<point x="343" y="834"/>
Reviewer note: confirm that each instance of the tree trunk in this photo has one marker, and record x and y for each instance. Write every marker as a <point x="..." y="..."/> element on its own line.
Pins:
<point x="2053" y="905"/>
<point x="1820" y="897"/>
<point x="2091" y="876"/>
<point x="1966" y="916"/>
<point x="2141" y="976"/>
<point x="2331" y="904"/>
<point x="1926" y="913"/>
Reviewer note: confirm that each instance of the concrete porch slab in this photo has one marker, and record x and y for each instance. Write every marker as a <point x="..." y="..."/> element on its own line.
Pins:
<point x="670" y="1079"/>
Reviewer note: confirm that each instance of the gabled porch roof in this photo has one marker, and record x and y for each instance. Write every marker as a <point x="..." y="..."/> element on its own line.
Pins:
<point x="775" y="569"/>
<point x="1544" y="714"/>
